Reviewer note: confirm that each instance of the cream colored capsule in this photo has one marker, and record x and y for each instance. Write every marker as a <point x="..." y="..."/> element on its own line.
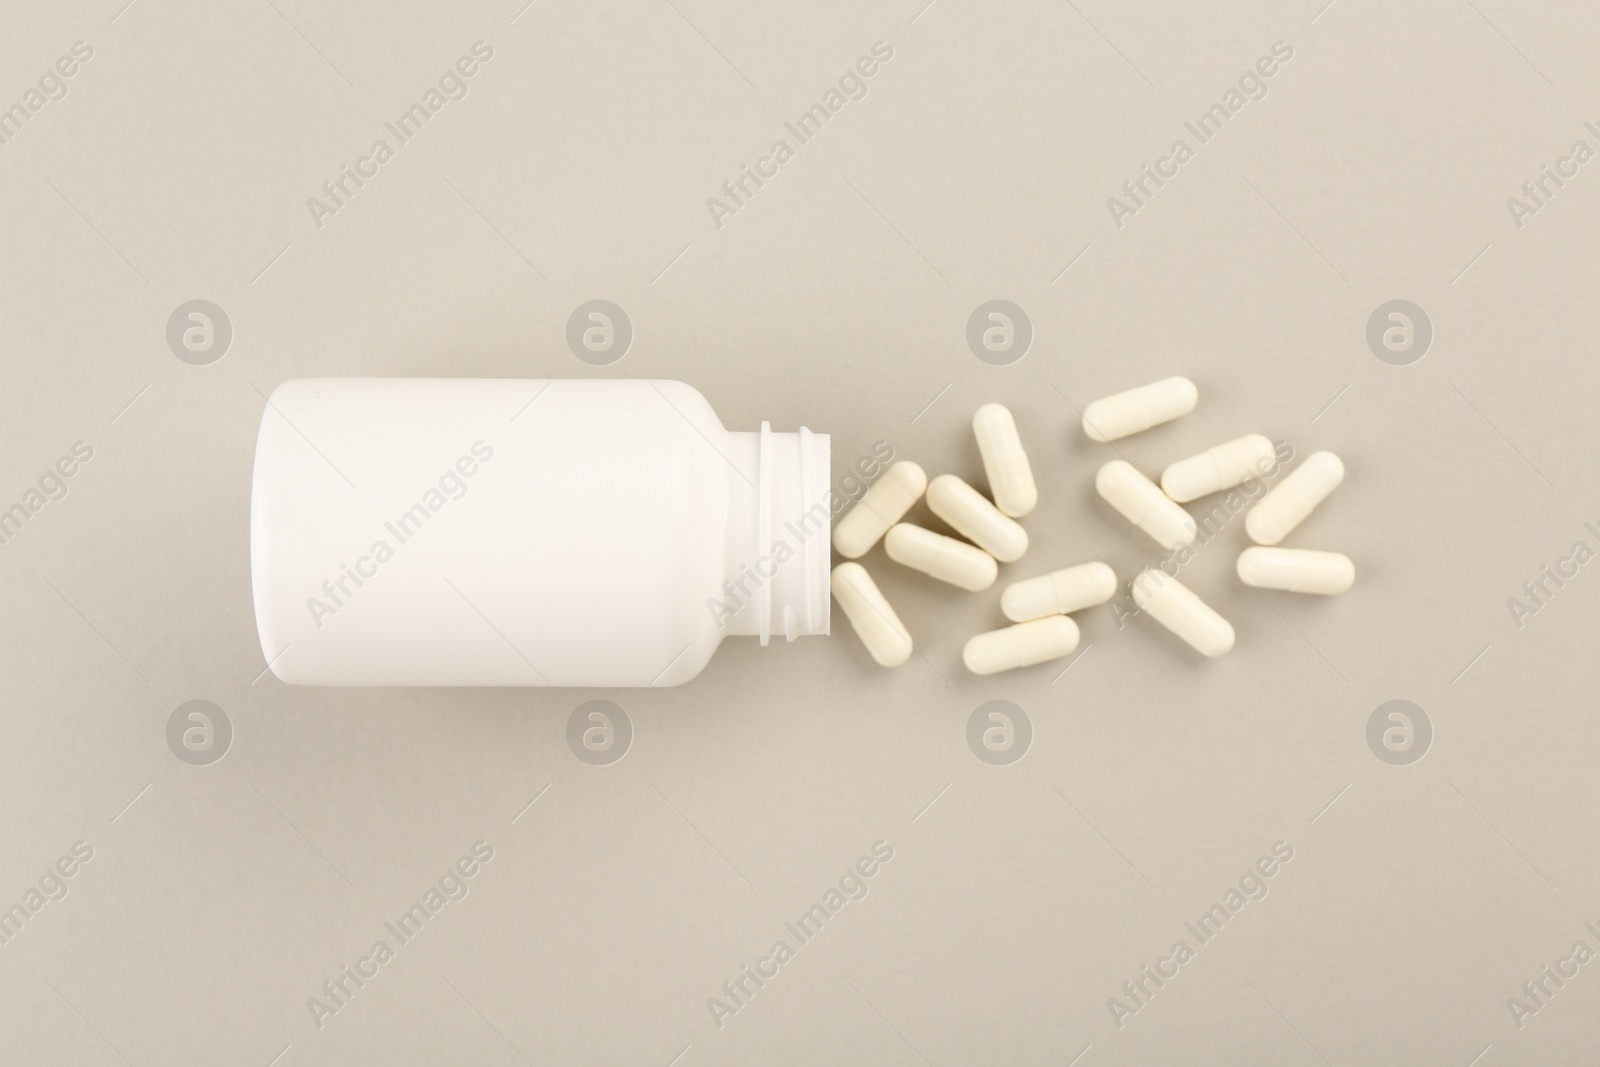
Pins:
<point x="874" y="621"/>
<point x="883" y="505"/>
<point x="1143" y="504"/>
<point x="1059" y="592"/>
<point x="1021" y="645"/>
<point x="940" y="557"/>
<point x="1004" y="461"/>
<point x="1174" y="606"/>
<point x="1297" y="570"/>
<point x="970" y="512"/>
<point x="1139" y="409"/>
<point x="1219" y="468"/>
<point x="1288" y="503"/>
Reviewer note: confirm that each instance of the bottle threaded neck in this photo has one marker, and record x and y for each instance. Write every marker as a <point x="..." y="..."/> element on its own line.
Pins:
<point x="779" y="519"/>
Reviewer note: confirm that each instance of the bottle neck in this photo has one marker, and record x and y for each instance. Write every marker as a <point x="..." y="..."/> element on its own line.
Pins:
<point x="778" y="534"/>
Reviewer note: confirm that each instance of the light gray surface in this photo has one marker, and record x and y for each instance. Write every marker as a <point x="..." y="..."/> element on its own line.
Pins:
<point x="978" y="166"/>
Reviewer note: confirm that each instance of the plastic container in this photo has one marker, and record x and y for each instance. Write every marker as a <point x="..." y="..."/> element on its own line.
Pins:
<point x="436" y="531"/>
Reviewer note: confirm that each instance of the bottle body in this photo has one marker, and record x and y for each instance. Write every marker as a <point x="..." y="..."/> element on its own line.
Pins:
<point x="525" y="532"/>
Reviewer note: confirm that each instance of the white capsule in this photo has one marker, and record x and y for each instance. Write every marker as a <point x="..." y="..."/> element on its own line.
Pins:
<point x="1004" y="461"/>
<point x="1142" y="503"/>
<point x="1021" y="645"/>
<point x="874" y="621"/>
<point x="1291" y="500"/>
<point x="883" y="505"/>
<point x="940" y="557"/>
<point x="1139" y="409"/>
<point x="1219" y="468"/>
<point x="970" y="512"/>
<point x="1059" y="592"/>
<point x="1297" y="570"/>
<point x="1174" y="606"/>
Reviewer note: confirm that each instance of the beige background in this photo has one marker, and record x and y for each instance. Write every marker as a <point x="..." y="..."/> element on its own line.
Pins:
<point x="978" y="166"/>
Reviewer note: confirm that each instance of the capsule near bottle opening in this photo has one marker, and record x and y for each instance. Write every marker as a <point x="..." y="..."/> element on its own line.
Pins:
<point x="441" y="532"/>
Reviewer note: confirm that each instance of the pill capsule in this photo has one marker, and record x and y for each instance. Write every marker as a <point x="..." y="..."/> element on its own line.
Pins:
<point x="1219" y="468"/>
<point x="874" y="621"/>
<point x="1297" y="570"/>
<point x="1004" y="461"/>
<point x="1059" y="592"/>
<point x="1021" y="645"/>
<point x="883" y="505"/>
<point x="940" y="557"/>
<point x="1288" y="503"/>
<point x="1174" y="606"/>
<point x="970" y="512"/>
<point x="1142" y="503"/>
<point x="1139" y="409"/>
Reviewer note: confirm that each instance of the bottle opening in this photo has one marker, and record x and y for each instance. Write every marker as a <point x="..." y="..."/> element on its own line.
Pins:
<point x="779" y="524"/>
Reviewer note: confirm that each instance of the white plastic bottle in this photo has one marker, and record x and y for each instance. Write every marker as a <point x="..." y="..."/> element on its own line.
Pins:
<point x="438" y="531"/>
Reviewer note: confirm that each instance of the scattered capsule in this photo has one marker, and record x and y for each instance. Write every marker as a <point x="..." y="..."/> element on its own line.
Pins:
<point x="1288" y="503"/>
<point x="1297" y="570"/>
<point x="1021" y="645"/>
<point x="1139" y="409"/>
<point x="881" y="507"/>
<point x="1059" y="592"/>
<point x="1004" y="461"/>
<point x="1219" y="468"/>
<point x="1174" y="606"/>
<point x="970" y="512"/>
<point x="940" y="557"/>
<point x="1143" y="504"/>
<point x="874" y="621"/>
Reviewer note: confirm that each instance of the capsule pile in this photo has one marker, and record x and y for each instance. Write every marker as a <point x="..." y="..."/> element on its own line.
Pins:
<point x="1040" y="608"/>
